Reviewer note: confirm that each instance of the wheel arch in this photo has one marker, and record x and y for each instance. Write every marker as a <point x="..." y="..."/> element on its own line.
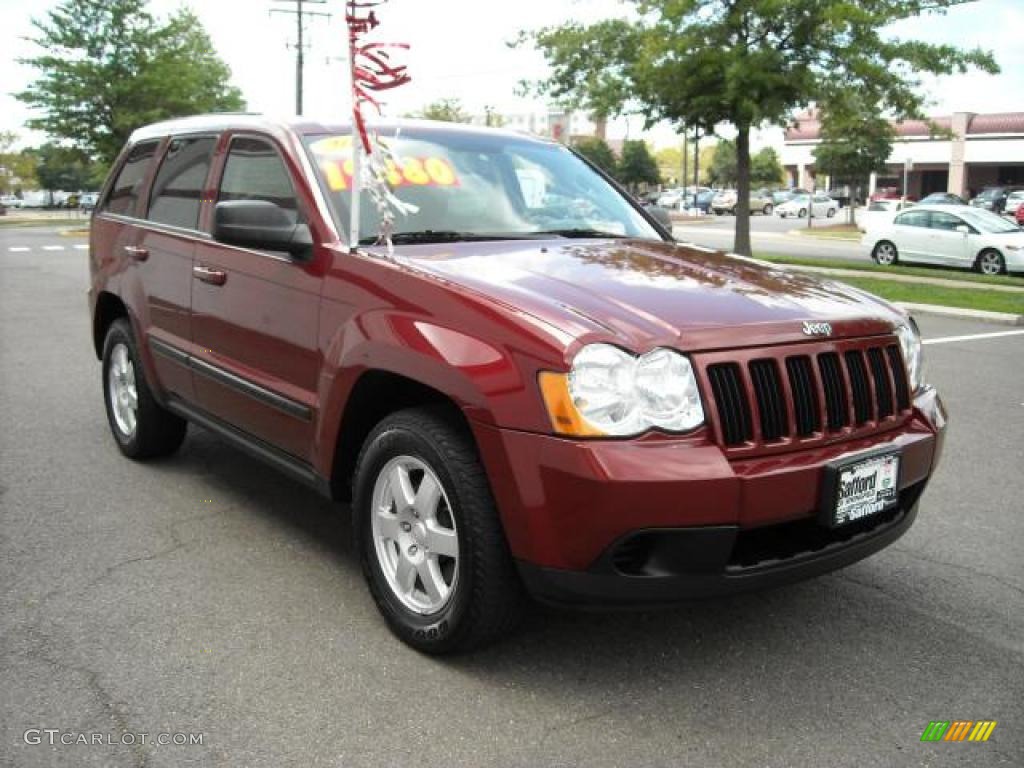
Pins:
<point x="109" y="307"/>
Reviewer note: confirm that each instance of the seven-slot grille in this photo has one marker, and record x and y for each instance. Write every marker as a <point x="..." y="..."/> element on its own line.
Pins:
<point x="770" y="397"/>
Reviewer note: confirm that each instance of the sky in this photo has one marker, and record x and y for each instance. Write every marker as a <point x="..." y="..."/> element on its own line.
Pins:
<point x="459" y="49"/>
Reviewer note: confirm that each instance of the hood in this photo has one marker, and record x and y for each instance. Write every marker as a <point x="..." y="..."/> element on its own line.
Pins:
<point x="640" y="293"/>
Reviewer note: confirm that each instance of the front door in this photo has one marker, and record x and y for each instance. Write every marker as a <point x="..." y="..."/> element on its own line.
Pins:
<point x="255" y="314"/>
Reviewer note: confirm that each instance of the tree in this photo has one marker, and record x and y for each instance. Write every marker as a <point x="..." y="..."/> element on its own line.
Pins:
<point x="599" y="153"/>
<point x="448" y="110"/>
<point x="723" y="171"/>
<point x="765" y="168"/>
<point x="62" y="168"/>
<point x="747" y="63"/>
<point x="637" y="165"/>
<point x="109" y="67"/>
<point x="17" y="169"/>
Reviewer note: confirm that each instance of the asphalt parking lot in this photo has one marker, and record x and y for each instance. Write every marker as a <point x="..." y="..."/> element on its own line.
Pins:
<point x="207" y="595"/>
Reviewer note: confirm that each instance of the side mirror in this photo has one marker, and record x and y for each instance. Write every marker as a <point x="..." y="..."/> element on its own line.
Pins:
<point x="963" y="229"/>
<point x="261" y="225"/>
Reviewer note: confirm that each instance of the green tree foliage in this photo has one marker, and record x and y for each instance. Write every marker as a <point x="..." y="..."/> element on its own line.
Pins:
<point x="765" y="169"/>
<point x="19" y="168"/>
<point x="108" y="67"/>
<point x="447" y="110"/>
<point x="637" y="165"/>
<point x="598" y="152"/>
<point x="747" y="63"/>
<point x="63" y="168"/>
<point x="723" y="172"/>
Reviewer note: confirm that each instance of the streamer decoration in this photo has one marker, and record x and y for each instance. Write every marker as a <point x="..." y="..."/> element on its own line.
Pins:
<point x="372" y="71"/>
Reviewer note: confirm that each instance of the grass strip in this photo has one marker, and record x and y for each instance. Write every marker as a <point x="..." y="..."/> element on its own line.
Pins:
<point x="980" y="299"/>
<point x="869" y="266"/>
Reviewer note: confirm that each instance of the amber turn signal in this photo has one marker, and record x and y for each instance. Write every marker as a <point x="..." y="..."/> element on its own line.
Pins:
<point x="565" y="419"/>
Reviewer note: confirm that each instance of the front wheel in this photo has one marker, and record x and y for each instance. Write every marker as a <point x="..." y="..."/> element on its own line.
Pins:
<point x="767" y="210"/>
<point x="831" y="212"/>
<point x="885" y="254"/>
<point x="803" y="212"/>
<point x="990" y="263"/>
<point x="432" y="546"/>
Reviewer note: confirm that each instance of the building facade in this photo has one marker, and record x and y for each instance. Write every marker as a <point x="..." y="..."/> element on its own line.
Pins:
<point x="977" y="150"/>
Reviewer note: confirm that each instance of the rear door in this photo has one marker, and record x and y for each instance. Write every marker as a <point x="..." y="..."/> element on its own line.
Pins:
<point x="911" y="233"/>
<point x="946" y="244"/>
<point x="255" y="313"/>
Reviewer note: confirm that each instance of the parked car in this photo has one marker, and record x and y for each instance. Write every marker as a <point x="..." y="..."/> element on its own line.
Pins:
<point x="671" y="199"/>
<point x="1014" y="201"/>
<point x="10" y="201"/>
<point x="88" y="201"/>
<point x="881" y="211"/>
<point x="660" y="215"/>
<point x="1020" y="215"/>
<point x="993" y="198"/>
<point x="704" y="199"/>
<point x="798" y="206"/>
<point x="951" y="236"/>
<point x="760" y="202"/>
<point x="943" y="198"/>
<point x="530" y="393"/>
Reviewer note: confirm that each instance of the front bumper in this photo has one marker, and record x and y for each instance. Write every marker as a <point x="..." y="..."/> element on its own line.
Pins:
<point x="660" y="519"/>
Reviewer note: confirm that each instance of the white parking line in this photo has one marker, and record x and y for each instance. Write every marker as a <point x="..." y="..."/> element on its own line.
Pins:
<point x="81" y="247"/>
<point x="973" y="336"/>
<point x="53" y="247"/>
<point x="18" y="249"/>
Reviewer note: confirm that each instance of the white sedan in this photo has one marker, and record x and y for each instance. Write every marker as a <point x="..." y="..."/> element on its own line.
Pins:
<point x="798" y="205"/>
<point x="950" y="236"/>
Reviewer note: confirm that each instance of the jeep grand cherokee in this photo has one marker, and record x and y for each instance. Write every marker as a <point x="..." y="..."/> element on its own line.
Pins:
<point x="538" y="392"/>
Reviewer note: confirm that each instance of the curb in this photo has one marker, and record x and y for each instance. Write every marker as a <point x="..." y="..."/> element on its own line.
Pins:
<point x="1002" y="318"/>
<point x="810" y="234"/>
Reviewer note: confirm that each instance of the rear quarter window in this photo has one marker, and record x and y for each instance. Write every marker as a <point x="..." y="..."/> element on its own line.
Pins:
<point x="124" y="192"/>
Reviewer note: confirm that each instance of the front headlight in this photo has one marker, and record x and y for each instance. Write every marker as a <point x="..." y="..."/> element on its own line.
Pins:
<point x="611" y="392"/>
<point x="910" y="344"/>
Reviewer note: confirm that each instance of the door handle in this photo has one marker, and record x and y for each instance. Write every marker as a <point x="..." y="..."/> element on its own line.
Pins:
<point x="137" y="252"/>
<point x="211" y="276"/>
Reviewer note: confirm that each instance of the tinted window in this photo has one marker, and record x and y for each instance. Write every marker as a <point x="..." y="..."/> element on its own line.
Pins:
<point x="126" y="187"/>
<point x="255" y="171"/>
<point x="944" y="221"/>
<point x="913" y="219"/>
<point x="178" y="188"/>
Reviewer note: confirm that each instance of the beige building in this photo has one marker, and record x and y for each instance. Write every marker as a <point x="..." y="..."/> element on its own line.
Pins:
<point x="985" y="149"/>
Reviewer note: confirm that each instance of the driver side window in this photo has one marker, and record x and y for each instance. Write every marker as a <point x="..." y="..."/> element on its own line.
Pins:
<point x="255" y="171"/>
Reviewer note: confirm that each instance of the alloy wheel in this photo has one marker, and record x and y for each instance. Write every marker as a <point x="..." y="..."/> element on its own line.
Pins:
<point x="885" y="254"/>
<point x="990" y="263"/>
<point x="122" y="391"/>
<point x="414" y="535"/>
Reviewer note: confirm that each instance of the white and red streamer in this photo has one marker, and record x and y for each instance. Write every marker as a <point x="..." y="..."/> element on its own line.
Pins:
<point x="372" y="72"/>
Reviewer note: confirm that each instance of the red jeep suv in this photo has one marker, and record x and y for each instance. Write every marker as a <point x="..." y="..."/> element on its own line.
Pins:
<point x="536" y="391"/>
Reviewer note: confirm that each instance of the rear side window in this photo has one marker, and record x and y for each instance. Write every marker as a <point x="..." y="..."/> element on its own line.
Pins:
<point x="124" y="192"/>
<point x="178" y="187"/>
<point x="945" y="221"/>
<point x="255" y="171"/>
<point x="913" y="219"/>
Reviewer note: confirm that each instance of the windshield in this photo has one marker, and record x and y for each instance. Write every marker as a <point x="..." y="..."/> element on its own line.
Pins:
<point x="480" y="186"/>
<point x="992" y="223"/>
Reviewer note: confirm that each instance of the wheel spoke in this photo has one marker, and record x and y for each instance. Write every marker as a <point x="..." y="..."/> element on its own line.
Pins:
<point x="401" y="487"/>
<point x="442" y="541"/>
<point x="427" y="496"/>
<point x="405" y="574"/>
<point x="387" y="525"/>
<point x="433" y="582"/>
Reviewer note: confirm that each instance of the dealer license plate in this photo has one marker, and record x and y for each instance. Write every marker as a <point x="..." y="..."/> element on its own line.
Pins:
<point x="865" y="488"/>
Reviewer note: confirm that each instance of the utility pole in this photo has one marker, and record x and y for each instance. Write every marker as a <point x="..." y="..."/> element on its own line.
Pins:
<point x="299" y="12"/>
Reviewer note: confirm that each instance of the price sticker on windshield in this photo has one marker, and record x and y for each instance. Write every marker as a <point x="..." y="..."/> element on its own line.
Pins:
<point x="335" y="161"/>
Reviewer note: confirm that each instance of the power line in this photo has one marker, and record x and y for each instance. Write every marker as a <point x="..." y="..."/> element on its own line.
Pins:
<point x="299" y="12"/>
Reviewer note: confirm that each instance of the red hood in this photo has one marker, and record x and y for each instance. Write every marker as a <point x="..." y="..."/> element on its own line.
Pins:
<point x="641" y="293"/>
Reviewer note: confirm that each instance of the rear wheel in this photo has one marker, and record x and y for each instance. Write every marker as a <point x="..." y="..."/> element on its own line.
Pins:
<point x="432" y="547"/>
<point x="767" y="210"/>
<point x="885" y="253"/>
<point x="803" y="212"/>
<point x="990" y="262"/>
<point x="831" y="212"/>
<point x="140" y="426"/>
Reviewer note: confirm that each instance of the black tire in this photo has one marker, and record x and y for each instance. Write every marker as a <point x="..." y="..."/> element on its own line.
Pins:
<point x="157" y="432"/>
<point x="487" y="597"/>
<point x="767" y="210"/>
<point x="990" y="262"/>
<point x="881" y="252"/>
<point x="803" y="212"/>
<point x="831" y="213"/>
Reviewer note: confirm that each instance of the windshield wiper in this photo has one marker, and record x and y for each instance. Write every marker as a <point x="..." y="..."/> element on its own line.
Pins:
<point x="579" y="232"/>
<point x="444" y="236"/>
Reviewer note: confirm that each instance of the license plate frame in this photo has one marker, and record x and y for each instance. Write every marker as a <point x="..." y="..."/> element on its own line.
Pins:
<point x="834" y="515"/>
